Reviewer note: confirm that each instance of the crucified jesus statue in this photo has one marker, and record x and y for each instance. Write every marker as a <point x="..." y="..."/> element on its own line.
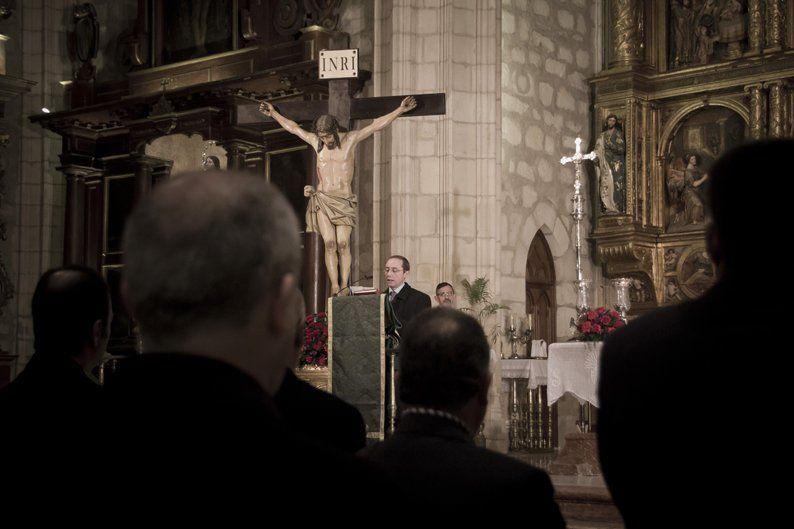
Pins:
<point x="333" y="208"/>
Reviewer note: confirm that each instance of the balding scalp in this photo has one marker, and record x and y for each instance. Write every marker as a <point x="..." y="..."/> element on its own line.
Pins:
<point x="207" y="246"/>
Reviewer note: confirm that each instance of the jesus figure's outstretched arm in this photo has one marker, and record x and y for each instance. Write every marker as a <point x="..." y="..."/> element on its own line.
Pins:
<point x="288" y="125"/>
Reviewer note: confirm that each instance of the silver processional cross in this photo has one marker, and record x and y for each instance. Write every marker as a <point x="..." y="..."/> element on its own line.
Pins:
<point x="577" y="212"/>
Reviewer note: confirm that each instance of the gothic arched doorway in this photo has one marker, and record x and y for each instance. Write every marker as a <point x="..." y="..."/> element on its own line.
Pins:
<point x="540" y="287"/>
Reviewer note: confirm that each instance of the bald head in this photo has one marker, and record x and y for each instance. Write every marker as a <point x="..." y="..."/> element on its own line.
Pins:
<point x="68" y="304"/>
<point x="443" y="359"/>
<point x="204" y="249"/>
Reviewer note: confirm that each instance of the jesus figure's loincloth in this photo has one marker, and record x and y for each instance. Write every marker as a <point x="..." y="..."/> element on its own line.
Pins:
<point x="340" y="210"/>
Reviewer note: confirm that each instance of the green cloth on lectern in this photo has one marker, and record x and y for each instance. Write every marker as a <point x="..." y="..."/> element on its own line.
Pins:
<point x="357" y="357"/>
<point x="393" y="326"/>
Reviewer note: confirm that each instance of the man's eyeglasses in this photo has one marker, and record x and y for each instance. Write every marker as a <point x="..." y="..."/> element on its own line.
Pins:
<point x="392" y="270"/>
<point x="445" y="294"/>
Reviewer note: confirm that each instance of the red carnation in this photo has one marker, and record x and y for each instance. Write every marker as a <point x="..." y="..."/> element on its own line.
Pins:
<point x="619" y="323"/>
<point x="601" y="310"/>
<point x="586" y="326"/>
<point x="614" y="313"/>
<point x="591" y="315"/>
<point x="596" y="328"/>
<point x="610" y="330"/>
<point x="606" y="319"/>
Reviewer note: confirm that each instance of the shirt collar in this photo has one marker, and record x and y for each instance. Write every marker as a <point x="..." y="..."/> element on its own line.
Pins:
<point x="397" y="290"/>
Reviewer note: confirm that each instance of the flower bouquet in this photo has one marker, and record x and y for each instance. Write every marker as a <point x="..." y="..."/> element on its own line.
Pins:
<point x="315" y="341"/>
<point x="595" y="325"/>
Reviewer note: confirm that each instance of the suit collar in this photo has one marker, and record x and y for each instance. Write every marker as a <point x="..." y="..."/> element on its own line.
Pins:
<point x="433" y="426"/>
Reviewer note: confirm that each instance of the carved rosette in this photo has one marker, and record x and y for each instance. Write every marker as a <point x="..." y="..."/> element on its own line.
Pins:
<point x="777" y="108"/>
<point x="757" y="110"/>
<point x="627" y="33"/>
<point x="775" y="24"/>
<point x="755" y="16"/>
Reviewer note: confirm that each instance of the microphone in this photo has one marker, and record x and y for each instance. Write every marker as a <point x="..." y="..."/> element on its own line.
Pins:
<point x="354" y="283"/>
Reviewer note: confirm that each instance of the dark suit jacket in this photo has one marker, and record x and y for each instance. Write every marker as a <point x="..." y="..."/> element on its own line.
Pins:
<point x="437" y="463"/>
<point x="51" y="392"/>
<point x="192" y="425"/>
<point x="319" y="415"/>
<point x="408" y="303"/>
<point x="678" y="409"/>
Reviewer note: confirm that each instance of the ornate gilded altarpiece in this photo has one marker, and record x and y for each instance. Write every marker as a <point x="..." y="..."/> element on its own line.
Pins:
<point x="686" y="80"/>
<point x="192" y="68"/>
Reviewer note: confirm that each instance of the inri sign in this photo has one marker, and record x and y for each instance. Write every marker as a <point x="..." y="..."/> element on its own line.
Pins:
<point x="338" y="64"/>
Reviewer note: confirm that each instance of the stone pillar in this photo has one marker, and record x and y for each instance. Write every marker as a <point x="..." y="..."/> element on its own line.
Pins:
<point x="775" y="25"/>
<point x="778" y="124"/>
<point x="757" y="110"/>
<point x="436" y="177"/>
<point x="755" y="15"/>
<point x="627" y="34"/>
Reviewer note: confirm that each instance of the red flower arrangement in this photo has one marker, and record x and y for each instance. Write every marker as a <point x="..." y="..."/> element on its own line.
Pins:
<point x="315" y="341"/>
<point x="595" y="325"/>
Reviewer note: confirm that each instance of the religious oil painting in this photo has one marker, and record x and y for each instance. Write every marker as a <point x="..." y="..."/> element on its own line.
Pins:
<point x="699" y="141"/>
<point x="706" y="31"/>
<point x="196" y="28"/>
<point x="695" y="272"/>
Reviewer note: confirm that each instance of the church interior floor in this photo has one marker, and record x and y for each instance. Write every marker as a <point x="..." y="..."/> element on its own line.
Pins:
<point x="584" y="500"/>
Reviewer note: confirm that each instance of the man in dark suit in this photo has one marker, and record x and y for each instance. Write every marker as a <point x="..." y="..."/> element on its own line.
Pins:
<point x="443" y="389"/>
<point x="407" y="301"/>
<point x="318" y="414"/>
<point x="211" y="268"/>
<point x="71" y="324"/>
<point x="677" y="407"/>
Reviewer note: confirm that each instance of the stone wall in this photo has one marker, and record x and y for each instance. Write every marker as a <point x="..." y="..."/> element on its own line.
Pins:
<point x="34" y="190"/>
<point x="547" y="55"/>
<point x="436" y="177"/>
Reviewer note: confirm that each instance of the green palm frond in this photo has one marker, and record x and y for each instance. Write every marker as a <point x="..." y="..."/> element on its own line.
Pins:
<point x="479" y="299"/>
<point x="476" y="292"/>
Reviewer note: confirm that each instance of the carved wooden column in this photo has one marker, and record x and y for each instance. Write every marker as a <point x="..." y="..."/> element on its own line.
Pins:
<point x="755" y="30"/>
<point x="74" y="231"/>
<point x="757" y="110"/>
<point x="775" y="25"/>
<point x="143" y="177"/>
<point x="627" y="34"/>
<point x="313" y="276"/>
<point x="237" y="154"/>
<point x="778" y="122"/>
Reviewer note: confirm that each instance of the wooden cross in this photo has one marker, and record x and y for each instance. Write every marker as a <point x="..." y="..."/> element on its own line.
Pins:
<point x="345" y="109"/>
<point x="342" y="105"/>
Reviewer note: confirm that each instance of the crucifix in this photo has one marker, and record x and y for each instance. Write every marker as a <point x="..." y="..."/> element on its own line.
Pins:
<point x="577" y="212"/>
<point x="332" y="208"/>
